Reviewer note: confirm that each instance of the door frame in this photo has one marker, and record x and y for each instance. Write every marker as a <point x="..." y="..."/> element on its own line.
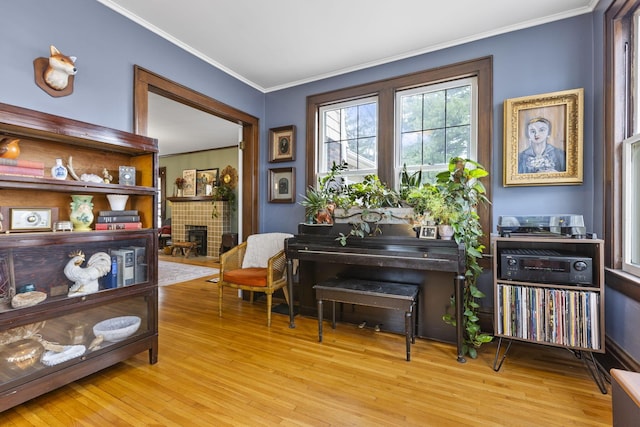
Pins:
<point x="146" y="81"/>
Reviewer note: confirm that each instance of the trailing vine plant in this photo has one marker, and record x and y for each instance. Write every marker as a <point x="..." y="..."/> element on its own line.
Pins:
<point x="462" y="189"/>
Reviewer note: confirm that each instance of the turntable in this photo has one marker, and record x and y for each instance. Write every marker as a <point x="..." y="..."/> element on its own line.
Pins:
<point x="564" y="225"/>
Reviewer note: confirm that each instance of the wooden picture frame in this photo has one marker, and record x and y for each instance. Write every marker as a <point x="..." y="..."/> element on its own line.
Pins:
<point x="189" y="188"/>
<point x="206" y="180"/>
<point x="543" y="139"/>
<point x="429" y="232"/>
<point x="282" y="185"/>
<point x="282" y="144"/>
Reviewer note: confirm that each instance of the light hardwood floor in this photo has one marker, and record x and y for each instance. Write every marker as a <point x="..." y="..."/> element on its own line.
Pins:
<point x="234" y="371"/>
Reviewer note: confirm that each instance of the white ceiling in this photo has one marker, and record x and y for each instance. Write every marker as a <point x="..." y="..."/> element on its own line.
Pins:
<point x="275" y="44"/>
<point x="183" y="129"/>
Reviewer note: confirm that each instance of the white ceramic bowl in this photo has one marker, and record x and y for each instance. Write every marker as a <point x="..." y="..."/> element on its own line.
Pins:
<point x="117" y="328"/>
<point x="117" y="201"/>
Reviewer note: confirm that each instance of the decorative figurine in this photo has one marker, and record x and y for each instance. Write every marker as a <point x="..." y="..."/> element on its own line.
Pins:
<point x="106" y="176"/>
<point x="86" y="279"/>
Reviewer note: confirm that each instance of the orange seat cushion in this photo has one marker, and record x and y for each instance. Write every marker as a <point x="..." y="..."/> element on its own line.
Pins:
<point x="253" y="276"/>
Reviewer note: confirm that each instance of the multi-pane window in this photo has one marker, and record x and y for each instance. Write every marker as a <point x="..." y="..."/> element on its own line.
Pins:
<point x="455" y="118"/>
<point x="349" y="133"/>
<point x="435" y="123"/>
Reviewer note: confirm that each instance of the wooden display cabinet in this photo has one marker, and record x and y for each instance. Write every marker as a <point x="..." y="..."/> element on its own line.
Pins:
<point x="52" y="342"/>
<point x="536" y="301"/>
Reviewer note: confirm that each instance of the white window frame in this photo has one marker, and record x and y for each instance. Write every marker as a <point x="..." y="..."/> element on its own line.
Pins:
<point x="350" y="175"/>
<point x="473" y="142"/>
<point x="630" y="204"/>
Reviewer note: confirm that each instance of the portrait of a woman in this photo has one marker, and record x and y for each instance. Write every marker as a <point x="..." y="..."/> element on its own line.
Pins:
<point x="540" y="156"/>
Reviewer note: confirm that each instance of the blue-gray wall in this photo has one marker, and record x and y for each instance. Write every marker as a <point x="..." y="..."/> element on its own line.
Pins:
<point x="556" y="56"/>
<point x="107" y="46"/>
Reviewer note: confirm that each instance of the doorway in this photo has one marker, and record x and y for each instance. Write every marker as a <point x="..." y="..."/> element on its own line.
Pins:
<point x="146" y="82"/>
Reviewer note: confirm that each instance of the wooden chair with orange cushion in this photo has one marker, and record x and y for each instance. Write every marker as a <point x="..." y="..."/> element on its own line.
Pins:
<point x="257" y="265"/>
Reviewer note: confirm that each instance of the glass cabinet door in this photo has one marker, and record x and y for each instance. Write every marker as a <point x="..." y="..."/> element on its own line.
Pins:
<point x="70" y="338"/>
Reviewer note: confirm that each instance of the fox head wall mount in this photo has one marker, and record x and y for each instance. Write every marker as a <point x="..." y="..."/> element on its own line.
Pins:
<point x="55" y="74"/>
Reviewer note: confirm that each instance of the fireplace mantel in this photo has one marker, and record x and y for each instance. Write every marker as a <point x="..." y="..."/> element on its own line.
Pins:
<point x="190" y="199"/>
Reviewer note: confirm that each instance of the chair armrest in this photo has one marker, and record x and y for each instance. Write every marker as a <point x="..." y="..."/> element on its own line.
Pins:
<point x="276" y="267"/>
<point x="232" y="259"/>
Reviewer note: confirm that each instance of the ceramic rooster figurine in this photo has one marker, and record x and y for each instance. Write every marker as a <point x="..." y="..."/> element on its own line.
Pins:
<point x="86" y="278"/>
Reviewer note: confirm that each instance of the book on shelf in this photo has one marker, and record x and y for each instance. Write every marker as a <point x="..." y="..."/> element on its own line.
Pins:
<point x="32" y="164"/>
<point x="139" y="263"/>
<point x="21" y="170"/>
<point x="126" y="266"/>
<point x="118" y="218"/>
<point x="110" y="281"/>
<point x="118" y="213"/>
<point x="118" y="226"/>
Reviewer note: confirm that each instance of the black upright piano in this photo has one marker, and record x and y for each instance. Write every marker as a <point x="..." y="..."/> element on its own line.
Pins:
<point x="396" y="255"/>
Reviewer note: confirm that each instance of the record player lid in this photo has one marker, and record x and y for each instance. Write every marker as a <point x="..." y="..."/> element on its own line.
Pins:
<point x="541" y="221"/>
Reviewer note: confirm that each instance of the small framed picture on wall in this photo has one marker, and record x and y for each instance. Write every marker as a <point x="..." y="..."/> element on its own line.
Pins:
<point x="282" y="185"/>
<point x="282" y="144"/>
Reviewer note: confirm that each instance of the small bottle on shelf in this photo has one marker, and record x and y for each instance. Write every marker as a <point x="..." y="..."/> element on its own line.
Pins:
<point x="58" y="171"/>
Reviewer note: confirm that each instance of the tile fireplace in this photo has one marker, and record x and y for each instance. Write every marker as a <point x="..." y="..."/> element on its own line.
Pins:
<point x="192" y="216"/>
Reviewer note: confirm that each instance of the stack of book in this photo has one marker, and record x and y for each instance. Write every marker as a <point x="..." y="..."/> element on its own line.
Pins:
<point x="118" y="220"/>
<point x="21" y="167"/>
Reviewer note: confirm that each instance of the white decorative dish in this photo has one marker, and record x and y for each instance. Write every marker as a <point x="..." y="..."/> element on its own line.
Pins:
<point x="117" y="328"/>
<point x="50" y="358"/>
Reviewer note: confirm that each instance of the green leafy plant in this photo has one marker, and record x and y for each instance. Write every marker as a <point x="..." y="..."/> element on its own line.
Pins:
<point x="223" y="192"/>
<point x="371" y="193"/>
<point x="360" y="229"/>
<point x="429" y="201"/>
<point x="409" y="182"/>
<point x="463" y="191"/>
<point x="314" y="201"/>
<point x="323" y="197"/>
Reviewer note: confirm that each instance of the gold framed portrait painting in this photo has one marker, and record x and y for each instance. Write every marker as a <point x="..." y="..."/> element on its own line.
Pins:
<point x="282" y="142"/>
<point x="543" y="139"/>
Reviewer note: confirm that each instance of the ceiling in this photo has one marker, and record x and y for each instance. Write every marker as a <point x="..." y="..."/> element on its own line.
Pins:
<point x="183" y="129"/>
<point x="271" y="45"/>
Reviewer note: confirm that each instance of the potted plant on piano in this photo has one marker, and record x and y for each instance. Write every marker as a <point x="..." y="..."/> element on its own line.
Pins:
<point x="319" y="202"/>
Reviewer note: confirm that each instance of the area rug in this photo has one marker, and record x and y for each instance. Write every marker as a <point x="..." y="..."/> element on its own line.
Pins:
<point x="170" y="273"/>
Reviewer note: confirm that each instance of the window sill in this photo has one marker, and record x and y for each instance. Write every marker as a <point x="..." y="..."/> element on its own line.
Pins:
<point x="623" y="282"/>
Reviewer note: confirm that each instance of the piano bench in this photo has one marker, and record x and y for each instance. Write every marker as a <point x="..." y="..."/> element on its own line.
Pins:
<point x="389" y="295"/>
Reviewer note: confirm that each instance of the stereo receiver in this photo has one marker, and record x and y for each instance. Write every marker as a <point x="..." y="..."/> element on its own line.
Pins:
<point x="545" y="266"/>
